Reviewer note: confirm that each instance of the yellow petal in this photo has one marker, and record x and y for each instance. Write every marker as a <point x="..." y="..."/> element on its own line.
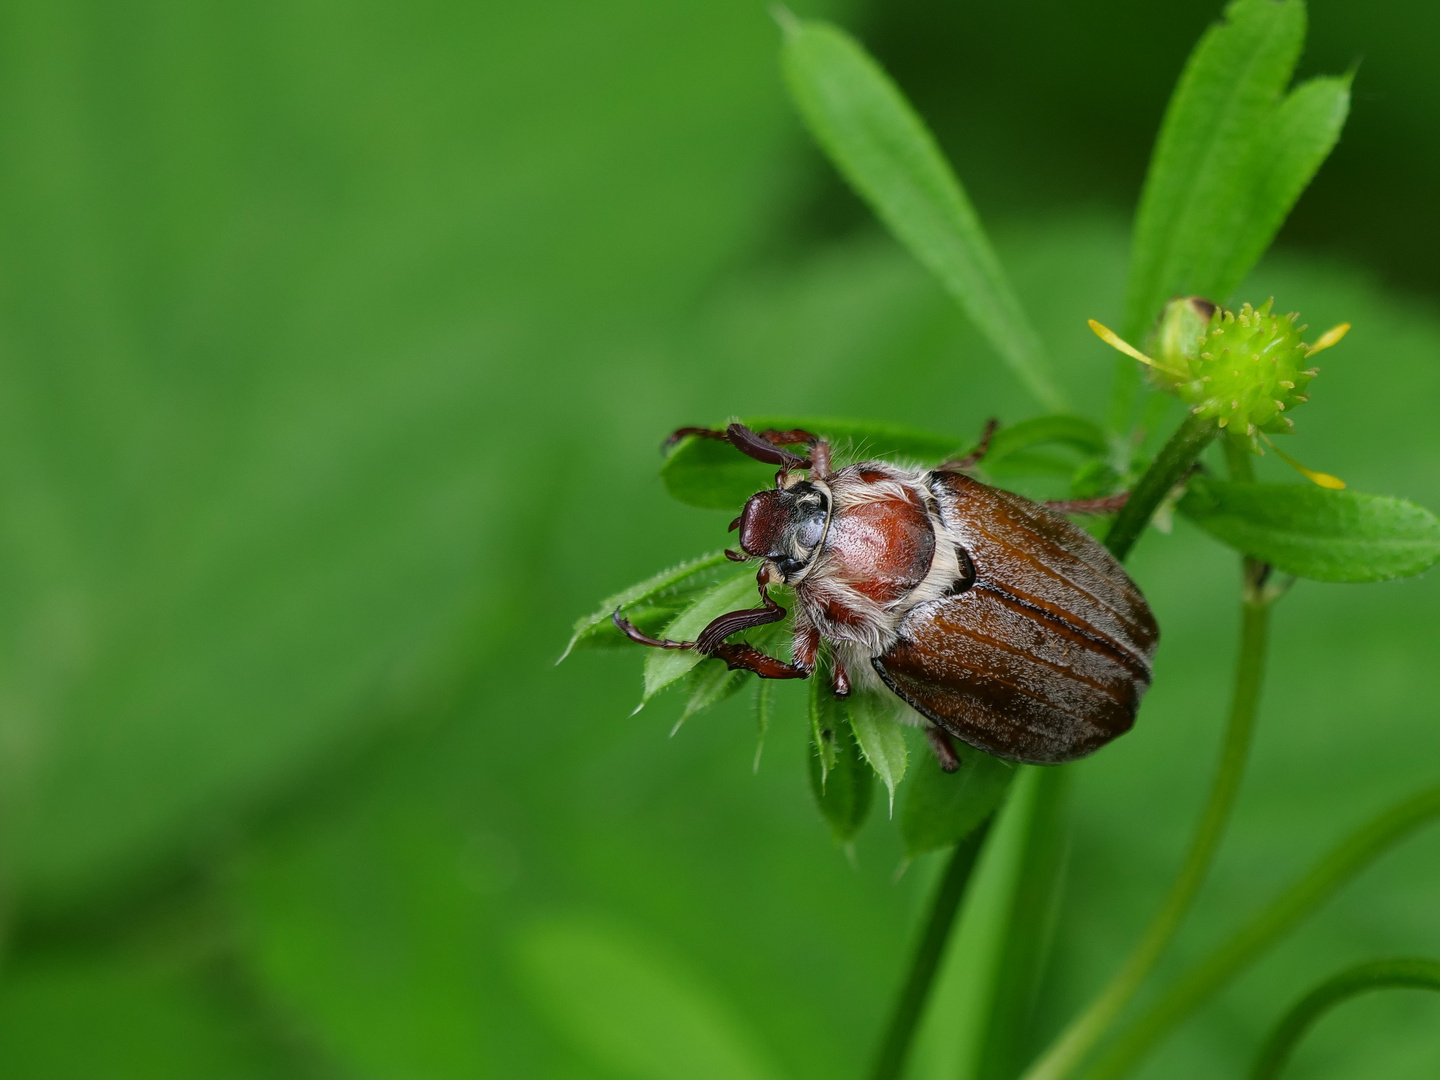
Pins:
<point x="1115" y="341"/>
<point x="1330" y="337"/>
<point x="1325" y="480"/>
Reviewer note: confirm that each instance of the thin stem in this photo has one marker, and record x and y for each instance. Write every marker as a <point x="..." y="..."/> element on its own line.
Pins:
<point x="1077" y="1040"/>
<point x="890" y="1062"/>
<point x="1379" y="975"/>
<point x="1168" y="469"/>
<point x="1206" y="978"/>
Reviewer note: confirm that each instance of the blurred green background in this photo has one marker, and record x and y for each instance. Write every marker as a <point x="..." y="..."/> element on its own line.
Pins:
<point x="336" y="343"/>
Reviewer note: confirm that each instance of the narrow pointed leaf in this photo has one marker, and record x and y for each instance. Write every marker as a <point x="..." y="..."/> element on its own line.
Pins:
<point x="1313" y="532"/>
<point x="879" y="144"/>
<point x="715" y="476"/>
<point x="1205" y="166"/>
<point x="1305" y="128"/>
<point x="826" y="720"/>
<point x="710" y="684"/>
<point x="664" y="666"/>
<point x="844" y="791"/>
<point x="764" y="712"/>
<point x="940" y="809"/>
<point x="1025" y="928"/>
<point x="875" y="719"/>
<point x="673" y="588"/>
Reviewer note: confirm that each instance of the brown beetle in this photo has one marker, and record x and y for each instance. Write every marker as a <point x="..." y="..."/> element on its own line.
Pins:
<point x="993" y="617"/>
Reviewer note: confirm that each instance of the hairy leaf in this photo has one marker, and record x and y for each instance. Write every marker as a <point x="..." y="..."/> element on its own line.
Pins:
<point x="764" y="713"/>
<point x="710" y="684"/>
<point x="664" y="666"/>
<point x="940" y="809"/>
<point x="876" y="140"/>
<point x="875" y="719"/>
<point x="843" y="791"/>
<point x="826" y="720"/>
<point x="669" y="589"/>
<point x="715" y="476"/>
<point x="713" y="683"/>
<point x="1317" y="533"/>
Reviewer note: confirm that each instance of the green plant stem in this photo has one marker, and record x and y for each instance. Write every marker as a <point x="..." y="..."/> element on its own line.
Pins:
<point x="890" y="1062"/>
<point x="1378" y="975"/>
<point x="1168" y="469"/>
<point x="1202" y="981"/>
<point x="1077" y="1040"/>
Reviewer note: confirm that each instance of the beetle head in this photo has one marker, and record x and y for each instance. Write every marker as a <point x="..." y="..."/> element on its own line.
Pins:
<point x="786" y="526"/>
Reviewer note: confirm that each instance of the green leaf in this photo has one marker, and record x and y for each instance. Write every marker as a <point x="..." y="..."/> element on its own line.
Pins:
<point x="876" y="720"/>
<point x="940" y="809"/>
<point x="1305" y="128"/>
<point x="715" y="476"/>
<point x="710" y="684"/>
<point x="957" y="1024"/>
<point x="1223" y="174"/>
<point x="1024" y="927"/>
<point x="844" y="790"/>
<point x="764" y="713"/>
<point x="1074" y="431"/>
<point x="876" y="140"/>
<point x="664" y="666"/>
<point x="839" y="778"/>
<point x="677" y="585"/>
<point x="634" y="1010"/>
<point x="825" y="721"/>
<point x="1317" y="533"/>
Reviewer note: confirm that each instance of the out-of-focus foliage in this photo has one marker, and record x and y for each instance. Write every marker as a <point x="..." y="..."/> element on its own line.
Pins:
<point x="336" y="346"/>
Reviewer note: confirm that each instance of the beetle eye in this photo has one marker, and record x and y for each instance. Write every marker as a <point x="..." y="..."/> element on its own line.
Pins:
<point x="810" y="531"/>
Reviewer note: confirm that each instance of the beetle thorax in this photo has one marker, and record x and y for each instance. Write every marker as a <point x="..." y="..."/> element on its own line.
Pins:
<point x="886" y="550"/>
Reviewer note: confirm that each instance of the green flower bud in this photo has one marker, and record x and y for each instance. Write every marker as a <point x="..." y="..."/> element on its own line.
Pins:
<point x="1245" y="370"/>
<point x="1182" y="326"/>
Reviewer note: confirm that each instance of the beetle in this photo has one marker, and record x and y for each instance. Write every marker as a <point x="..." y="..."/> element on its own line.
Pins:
<point x="997" y="620"/>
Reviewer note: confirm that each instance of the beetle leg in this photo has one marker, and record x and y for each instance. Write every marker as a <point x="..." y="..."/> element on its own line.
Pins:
<point x="820" y="458"/>
<point x="732" y="622"/>
<point x="839" y="678"/>
<point x="762" y="446"/>
<point x="943" y="747"/>
<point x="806" y="645"/>
<point x="635" y="634"/>
<point x="1107" y="504"/>
<point x="737" y="655"/>
<point x="978" y="454"/>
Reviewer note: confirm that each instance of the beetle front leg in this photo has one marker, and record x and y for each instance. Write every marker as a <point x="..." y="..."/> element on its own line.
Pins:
<point x="739" y="656"/>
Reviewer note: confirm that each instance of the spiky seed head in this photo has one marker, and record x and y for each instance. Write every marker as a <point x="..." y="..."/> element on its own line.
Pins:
<point x="1245" y="369"/>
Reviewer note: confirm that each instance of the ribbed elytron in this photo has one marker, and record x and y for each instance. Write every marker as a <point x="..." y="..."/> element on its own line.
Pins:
<point x="997" y="620"/>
